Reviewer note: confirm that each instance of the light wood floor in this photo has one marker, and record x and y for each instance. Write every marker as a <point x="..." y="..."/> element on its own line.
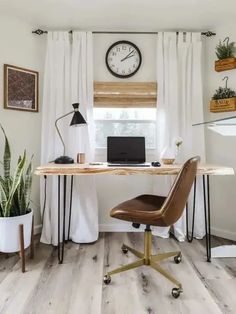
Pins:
<point x="76" y="286"/>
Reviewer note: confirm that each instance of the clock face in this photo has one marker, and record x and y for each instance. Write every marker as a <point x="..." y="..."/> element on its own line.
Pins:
<point x="123" y="59"/>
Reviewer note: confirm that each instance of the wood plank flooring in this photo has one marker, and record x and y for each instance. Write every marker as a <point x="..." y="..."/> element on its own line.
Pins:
<point x="77" y="287"/>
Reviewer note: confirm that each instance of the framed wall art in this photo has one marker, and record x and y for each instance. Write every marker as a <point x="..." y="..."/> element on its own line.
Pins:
<point x="20" y="88"/>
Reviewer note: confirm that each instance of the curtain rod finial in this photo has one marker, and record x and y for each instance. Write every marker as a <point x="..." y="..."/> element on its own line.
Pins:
<point x="39" y="32"/>
<point x="209" y="34"/>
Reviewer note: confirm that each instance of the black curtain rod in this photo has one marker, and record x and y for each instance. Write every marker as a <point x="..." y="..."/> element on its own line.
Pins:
<point x="41" y="32"/>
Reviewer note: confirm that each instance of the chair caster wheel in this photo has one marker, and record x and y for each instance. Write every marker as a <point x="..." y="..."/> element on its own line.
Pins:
<point x="107" y="279"/>
<point x="124" y="249"/>
<point x="176" y="292"/>
<point x="178" y="259"/>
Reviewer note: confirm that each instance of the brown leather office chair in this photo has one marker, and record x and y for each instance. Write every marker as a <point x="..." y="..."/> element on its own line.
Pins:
<point x="153" y="210"/>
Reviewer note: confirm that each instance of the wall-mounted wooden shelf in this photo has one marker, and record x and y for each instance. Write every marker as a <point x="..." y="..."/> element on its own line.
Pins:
<point x="225" y="64"/>
<point x="223" y="105"/>
<point x="125" y="94"/>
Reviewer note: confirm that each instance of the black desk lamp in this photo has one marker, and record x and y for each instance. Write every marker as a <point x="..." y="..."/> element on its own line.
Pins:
<point x="77" y="119"/>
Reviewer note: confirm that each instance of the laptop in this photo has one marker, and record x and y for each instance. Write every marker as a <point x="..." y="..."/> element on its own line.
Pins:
<point x="126" y="151"/>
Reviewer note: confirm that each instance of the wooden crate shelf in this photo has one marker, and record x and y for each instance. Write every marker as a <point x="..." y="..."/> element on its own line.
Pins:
<point x="225" y="64"/>
<point x="223" y="105"/>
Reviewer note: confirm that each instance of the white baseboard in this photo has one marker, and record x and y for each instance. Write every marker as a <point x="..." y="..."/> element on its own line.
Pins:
<point x="128" y="228"/>
<point x="118" y="228"/>
<point x="37" y="229"/>
<point x="223" y="233"/>
<point x="103" y="228"/>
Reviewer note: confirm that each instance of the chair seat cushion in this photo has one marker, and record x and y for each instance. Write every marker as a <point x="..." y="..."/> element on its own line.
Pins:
<point x="141" y="209"/>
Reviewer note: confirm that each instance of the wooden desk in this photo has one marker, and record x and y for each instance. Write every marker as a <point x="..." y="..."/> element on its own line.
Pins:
<point x="87" y="169"/>
<point x="204" y="170"/>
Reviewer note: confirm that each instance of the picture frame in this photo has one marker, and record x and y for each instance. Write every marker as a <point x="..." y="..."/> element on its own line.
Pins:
<point x="20" y="88"/>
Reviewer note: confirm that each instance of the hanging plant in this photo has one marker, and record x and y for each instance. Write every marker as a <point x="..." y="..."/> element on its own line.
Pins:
<point x="225" y="53"/>
<point x="225" y="50"/>
<point x="224" y="99"/>
<point x="222" y="93"/>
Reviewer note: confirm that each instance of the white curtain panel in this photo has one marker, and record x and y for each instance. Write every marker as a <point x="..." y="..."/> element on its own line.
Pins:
<point x="68" y="79"/>
<point x="179" y="105"/>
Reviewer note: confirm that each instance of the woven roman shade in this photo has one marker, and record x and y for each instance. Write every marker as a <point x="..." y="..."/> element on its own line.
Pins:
<point x="125" y="94"/>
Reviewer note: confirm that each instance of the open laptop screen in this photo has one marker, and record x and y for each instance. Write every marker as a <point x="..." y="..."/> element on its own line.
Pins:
<point x="125" y="149"/>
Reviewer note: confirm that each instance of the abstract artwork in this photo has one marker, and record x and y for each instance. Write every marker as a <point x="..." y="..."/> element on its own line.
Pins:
<point x="20" y="88"/>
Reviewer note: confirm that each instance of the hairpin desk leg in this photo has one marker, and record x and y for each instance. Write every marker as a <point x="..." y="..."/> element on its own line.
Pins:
<point x="209" y="218"/>
<point x="206" y="196"/>
<point x="64" y="219"/>
<point x="71" y="194"/>
<point x="59" y="220"/>
<point x="190" y="237"/>
<point x="61" y="243"/>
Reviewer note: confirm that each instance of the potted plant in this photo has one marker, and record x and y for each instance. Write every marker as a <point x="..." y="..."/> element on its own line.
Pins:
<point x="224" y="99"/>
<point x="15" y="202"/>
<point x="225" y="54"/>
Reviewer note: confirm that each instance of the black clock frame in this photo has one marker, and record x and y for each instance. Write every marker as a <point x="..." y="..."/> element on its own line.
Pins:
<point x="118" y="43"/>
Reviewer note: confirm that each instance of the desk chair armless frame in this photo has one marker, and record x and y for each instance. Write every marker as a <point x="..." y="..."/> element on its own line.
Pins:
<point x="153" y="210"/>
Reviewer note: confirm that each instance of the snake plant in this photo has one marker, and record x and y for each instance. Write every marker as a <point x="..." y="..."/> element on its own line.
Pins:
<point x="14" y="188"/>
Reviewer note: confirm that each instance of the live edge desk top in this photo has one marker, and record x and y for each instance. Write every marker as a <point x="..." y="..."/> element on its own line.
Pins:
<point x="87" y="169"/>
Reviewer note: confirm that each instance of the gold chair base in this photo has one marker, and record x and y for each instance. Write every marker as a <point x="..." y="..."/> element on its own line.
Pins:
<point x="148" y="259"/>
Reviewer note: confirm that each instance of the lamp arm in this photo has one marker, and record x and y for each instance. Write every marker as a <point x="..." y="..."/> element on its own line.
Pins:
<point x="213" y="121"/>
<point x="56" y="126"/>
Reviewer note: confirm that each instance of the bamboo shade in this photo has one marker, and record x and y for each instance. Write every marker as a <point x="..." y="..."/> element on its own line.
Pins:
<point x="128" y="94"/>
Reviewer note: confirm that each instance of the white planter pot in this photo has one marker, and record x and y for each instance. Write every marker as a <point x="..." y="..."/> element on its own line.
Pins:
<point x="9" y="232"/>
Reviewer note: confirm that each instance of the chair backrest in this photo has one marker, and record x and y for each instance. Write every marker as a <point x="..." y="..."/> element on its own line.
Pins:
<point x="176" y="200"/>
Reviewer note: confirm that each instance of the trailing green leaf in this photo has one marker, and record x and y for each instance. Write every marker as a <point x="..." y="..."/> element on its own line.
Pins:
<point x="223" y="92"/>
<point x="225" y="50"/>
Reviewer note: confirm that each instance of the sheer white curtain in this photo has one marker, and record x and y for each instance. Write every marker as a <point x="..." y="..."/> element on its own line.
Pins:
<point x="179" y="105"/>
<point x="69" y="78"/>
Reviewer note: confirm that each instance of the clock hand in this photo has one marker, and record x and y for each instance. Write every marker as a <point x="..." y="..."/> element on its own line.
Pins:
<point x="127" y="56"/>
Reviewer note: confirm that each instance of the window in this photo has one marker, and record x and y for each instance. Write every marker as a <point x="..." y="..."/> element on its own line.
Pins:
<point x="125" y="122"/>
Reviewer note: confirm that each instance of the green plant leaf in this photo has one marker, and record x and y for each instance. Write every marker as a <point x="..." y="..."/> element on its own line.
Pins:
<point x="225" y="50"/>
<point x="28" y="183"/>
<point x="6" y="156"/>
<point x="15" y="183"/>
<point x="3" y="200"/>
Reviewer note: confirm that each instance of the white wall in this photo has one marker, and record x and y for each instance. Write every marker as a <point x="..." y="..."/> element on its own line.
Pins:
<point x="219" y="149"/>
<point x="19" y="47"/>
<point x="112" y="190"/>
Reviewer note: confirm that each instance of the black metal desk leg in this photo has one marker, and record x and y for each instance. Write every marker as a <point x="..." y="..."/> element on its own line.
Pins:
<point x="64" y="220"/>
<point x="71" y="194"/>
<point x="61" y="244"/>
<point x="190" y="237"/>
<point x="59" y="220"/>
<point x="209" y="218"/>
<point x="206" y="198"/>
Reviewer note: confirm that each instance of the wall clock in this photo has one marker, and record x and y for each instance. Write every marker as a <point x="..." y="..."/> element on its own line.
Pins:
<point x="123" y="59"/>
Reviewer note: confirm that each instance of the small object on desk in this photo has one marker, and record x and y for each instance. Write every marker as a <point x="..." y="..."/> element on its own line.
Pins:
<point x="156" y="164"/>
<point x="168" y="161"/>
<point x="96" y="163"/>
<point x="81" y="158"/>
<point x="64" y="160"/>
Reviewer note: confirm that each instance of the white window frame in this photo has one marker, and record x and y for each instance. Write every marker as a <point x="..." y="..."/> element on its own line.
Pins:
<point x="101" y="152"/>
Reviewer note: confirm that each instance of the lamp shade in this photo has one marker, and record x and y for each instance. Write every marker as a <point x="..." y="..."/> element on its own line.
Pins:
<point x="77" y="116"/>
